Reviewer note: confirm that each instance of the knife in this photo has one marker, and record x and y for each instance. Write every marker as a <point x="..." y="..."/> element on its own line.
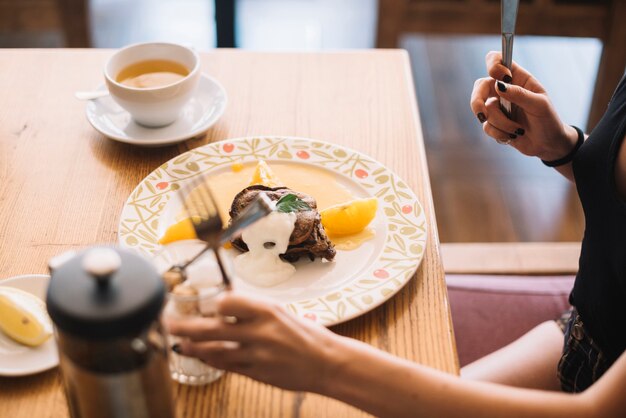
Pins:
<point x="508" y="10"/>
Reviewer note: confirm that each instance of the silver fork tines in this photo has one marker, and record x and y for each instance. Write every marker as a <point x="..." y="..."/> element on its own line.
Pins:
<point x="206" y="220"/>
<point x="204" y="216"/>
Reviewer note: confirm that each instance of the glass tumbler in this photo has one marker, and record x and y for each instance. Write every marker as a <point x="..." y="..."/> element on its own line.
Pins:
<point x="195" y="297"/>
<point x="186" y="302"/>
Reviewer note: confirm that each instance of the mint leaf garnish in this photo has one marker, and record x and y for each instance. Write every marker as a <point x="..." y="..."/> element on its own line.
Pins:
<point x="291" y="203"/>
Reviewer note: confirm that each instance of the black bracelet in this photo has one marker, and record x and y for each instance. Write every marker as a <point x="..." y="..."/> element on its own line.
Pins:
<point x="569" y="157"/>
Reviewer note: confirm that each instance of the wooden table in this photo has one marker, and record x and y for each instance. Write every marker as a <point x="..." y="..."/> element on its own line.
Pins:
<point x="63" y="185"/>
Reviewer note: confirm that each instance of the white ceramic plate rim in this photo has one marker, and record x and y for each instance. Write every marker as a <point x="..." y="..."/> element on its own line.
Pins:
<point x="49" y="357"/>
<point x="340" y="306"/>
<point x="149" y="142"/>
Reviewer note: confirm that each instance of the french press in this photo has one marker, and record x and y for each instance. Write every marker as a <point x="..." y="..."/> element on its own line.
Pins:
<point x="105" y="304"/>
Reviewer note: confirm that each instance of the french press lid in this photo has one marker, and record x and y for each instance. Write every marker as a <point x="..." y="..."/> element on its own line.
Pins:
<point x="104" y="293"/>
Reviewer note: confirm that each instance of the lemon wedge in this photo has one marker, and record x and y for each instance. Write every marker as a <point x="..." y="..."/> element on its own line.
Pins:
<point x="264" y="175"/>
<point x="23" y="317"/>
<point x="181" y="230"/>
<point x="349" y="218"/>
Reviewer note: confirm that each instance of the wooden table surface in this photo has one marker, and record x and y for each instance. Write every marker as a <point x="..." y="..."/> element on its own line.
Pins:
<point x="63" y="185"/>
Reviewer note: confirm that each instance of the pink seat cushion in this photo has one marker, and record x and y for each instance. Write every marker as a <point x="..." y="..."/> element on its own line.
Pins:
<point x="489" y="312"/>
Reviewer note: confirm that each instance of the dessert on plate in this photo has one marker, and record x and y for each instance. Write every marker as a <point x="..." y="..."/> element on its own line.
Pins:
<point x="295" y="230"/>
<point x="308" y="238"/>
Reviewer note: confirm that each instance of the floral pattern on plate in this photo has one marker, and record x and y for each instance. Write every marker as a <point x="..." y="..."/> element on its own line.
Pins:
<point x="403" y="243"/>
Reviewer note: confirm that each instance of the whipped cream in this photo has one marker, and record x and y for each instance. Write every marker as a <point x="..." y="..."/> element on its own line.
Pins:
<point x="266" y="240"/>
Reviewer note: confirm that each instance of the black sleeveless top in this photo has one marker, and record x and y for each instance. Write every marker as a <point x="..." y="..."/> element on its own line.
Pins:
<point x="599" y="292"/>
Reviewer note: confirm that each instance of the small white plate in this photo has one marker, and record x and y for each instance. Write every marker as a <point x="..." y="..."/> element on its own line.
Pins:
<point x="199" y="114"/>
<point x="17" y="359"/>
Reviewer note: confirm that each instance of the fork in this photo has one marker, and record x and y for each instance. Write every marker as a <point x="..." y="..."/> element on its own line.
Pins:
<point x="207" y="225"/>
<point x="206" y="222"/>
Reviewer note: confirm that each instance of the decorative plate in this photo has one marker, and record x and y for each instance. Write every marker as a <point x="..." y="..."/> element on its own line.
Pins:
<point x="329" y="293"/>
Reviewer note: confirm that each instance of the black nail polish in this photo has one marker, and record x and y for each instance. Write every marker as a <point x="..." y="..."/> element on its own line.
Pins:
<point x="501" y="86"/>
<point x="512" y="136"/>
<point x="507" y="79"/>
<point x="520" y="131"/>
<point x="481" y="117"/>
<point x="176" y="348"/>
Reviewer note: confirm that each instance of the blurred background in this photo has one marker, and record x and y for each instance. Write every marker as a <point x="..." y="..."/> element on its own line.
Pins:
<point x="483" y="192"/>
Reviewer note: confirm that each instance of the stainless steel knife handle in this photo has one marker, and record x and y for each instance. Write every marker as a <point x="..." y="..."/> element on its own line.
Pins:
<point x="507" y="50"/>
<point x="507" y="61"/>
<point x="508" y="20"/>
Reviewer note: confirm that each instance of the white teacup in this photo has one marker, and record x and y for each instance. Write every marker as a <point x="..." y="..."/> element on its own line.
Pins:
<point x="153" y="106"/>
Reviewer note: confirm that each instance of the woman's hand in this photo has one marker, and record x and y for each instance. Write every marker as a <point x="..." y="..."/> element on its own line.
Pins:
<point x="265" y="343"/>
<point x="273" y="346"/>
<point x="538" y="130"/>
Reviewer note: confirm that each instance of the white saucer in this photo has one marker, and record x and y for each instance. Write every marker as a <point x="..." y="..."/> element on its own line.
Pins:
<point x="199" y="114"/>
<point x="17" y="359"/>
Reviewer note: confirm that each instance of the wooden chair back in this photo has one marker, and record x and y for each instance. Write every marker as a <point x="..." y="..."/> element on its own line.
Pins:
<point x="532" y="258"/>
<point x="31" y="16"/>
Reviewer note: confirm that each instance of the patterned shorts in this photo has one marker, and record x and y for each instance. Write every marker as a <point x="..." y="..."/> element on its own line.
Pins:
<point x="582" y="362"/>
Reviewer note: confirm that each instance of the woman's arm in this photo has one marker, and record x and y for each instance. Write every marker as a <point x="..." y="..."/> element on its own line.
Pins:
<point x="387" y="386"/>
<point x="537" y="130"/>
<point x="275" y="347"/>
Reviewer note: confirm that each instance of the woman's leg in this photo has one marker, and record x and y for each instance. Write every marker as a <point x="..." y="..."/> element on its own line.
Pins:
<point x="530" y="361"/>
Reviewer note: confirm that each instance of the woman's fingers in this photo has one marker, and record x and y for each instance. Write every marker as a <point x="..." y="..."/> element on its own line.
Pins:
<point x="516" y="85"/>
<point x="198" y="329"/>
<point x="242" y="307"/>
<point x="500" y="135"/>
<point x="532" y="103"/>
<point x="483" y="89"/>
<point x="215" y="351"/>
<point x="498" y="120"/>
<point x="200" y="348"/>
<point x="240" y="319"/>
<point x="227" y="355"/>
<point x="496" y="69"/>
<point x="517" y="74"/>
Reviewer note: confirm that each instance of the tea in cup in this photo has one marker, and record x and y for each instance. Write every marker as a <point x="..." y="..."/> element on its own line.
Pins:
<point x="153" y="81"/>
